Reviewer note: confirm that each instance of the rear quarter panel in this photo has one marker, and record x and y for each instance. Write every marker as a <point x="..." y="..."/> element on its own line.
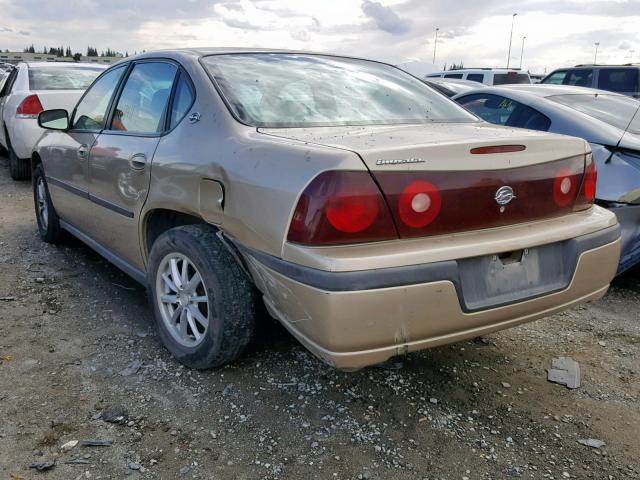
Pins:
<point x="262" y="176"/>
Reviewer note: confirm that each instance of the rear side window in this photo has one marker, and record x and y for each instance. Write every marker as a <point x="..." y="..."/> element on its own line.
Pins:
<point x="620" y="80"/>
<point x="182" y="100"/>
<point x="505" y="111"/>
<point x="92" y="109"/>
<point x="580" y="78"/>
<point x="510" y="77"/>
<point x="556" y="78"/>
<point x="476" y="77"/>
<point x="62" y="78"/>
<point x="143" y="102"/>
<point x="453" y="75"/>
<point x="490" y="108"/>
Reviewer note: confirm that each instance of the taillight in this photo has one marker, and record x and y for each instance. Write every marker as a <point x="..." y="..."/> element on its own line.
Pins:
<point x="30" y="107"/>
<point x="565" y="186"/>
<point x="419" y="203"/>
<point x="426" y="203"/>
<point x="587" y="194"/>
<point x="340" y="207"/>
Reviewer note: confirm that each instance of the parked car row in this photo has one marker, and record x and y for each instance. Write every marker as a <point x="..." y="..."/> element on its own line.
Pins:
<point x="29" y="89"/>
<point x="369" y="213"/>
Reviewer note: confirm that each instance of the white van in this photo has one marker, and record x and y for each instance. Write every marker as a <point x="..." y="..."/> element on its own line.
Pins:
<point x="488" y="76"/>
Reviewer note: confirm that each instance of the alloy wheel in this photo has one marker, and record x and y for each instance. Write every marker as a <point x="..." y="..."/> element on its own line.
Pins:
<point x="43" y="206"/>
<point x="182" y="299"/>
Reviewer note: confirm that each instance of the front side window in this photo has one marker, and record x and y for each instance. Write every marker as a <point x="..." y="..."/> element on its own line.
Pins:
<point x="91" y="111"/>
<point x="62" y="78"/>
<point x="8" y="85"/>
<point x="615" y="110"/>
<point x="621" y="80"/>
<point x="142" y="104"/>
<point x="556" y="78"/>
<point x="453" y="75"/>
<point x="298" y="90"/>
<point x="580" y="78"/>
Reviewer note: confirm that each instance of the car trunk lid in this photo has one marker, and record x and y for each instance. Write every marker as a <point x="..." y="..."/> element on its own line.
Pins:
<point x="447" y="178"/>
<point x="65" y="99"/>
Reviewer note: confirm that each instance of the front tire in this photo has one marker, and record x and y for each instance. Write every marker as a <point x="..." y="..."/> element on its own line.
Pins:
<point x="46" y="216"/>
<point x="203" y="303"/>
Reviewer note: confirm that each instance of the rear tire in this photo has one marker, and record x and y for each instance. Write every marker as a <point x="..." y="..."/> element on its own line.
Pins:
<point x="203" y="303"/>
<point x="19" y="168"/>
<point x="46" y="216"/>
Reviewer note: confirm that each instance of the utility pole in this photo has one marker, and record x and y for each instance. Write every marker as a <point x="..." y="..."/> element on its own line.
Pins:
<point x="513" y="18"/>
<point x="522" y="50"/>
<point x="435" y="46"/>
<point x="595" y="55"/>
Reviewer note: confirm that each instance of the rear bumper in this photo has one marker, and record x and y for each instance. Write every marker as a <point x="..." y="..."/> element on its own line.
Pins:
<point x="354" y="319"/>
<point x="24" y="135"/>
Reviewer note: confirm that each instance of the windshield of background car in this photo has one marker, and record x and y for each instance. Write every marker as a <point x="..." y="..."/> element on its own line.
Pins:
<point x="297" y="90"/>
<point x="62" y="78"/>
<point x="615" y="110"/>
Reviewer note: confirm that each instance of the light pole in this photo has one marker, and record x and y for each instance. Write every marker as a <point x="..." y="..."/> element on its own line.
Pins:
<point x="522" y="50"/>
<point x="595" y="55"/>
<point x="513" y="18"/>
<point x="435" y="45"/>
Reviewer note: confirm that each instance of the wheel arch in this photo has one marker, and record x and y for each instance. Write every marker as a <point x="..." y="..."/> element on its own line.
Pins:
<point x="158" y="220"/>
<point x="35" y="160"/>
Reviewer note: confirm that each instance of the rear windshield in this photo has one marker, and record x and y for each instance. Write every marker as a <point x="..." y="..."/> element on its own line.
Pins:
<point x="510" y="77"/>
<point x="297" y="90"/>
<point x="62" y="78"/>
<point x="621" y="112"/>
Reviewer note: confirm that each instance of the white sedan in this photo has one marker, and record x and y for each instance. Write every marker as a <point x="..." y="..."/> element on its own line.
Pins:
<point x="30" y="89"/>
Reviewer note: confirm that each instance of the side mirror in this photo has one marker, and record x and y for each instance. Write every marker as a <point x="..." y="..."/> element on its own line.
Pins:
<point x="57" y="119"/>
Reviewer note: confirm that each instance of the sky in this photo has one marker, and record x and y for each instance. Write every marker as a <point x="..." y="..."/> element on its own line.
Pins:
<point x="476" y="33"/>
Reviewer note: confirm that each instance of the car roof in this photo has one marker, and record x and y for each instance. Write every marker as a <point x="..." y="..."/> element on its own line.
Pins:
<point x="459" y="81"/>
<point x="592" y="65"/>
<point x="481" y="70"/>
<point x="547" y="90"/>
<point x="64" y="64"/>
<point x="204" y="51"/>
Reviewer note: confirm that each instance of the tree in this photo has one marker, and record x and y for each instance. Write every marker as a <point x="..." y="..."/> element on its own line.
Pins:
<point x="457" y="66"/>
<point x="68" y="53"/>
<point x="77" y="57"/>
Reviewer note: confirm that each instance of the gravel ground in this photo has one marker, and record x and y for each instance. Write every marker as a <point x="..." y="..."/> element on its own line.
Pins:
<point x="79" y="360"/>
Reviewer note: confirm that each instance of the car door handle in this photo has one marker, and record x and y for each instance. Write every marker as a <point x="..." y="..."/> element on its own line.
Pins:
<point x="83" y="151"/>
<point x="138" y="162"/>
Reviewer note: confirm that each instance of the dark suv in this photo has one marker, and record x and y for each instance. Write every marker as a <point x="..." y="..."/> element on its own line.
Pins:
<point x="623" y="79"/>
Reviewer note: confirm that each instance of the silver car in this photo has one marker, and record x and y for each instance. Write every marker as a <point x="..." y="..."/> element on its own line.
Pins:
<point x="29" y="89"/>
<point x="371" y="215"/>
